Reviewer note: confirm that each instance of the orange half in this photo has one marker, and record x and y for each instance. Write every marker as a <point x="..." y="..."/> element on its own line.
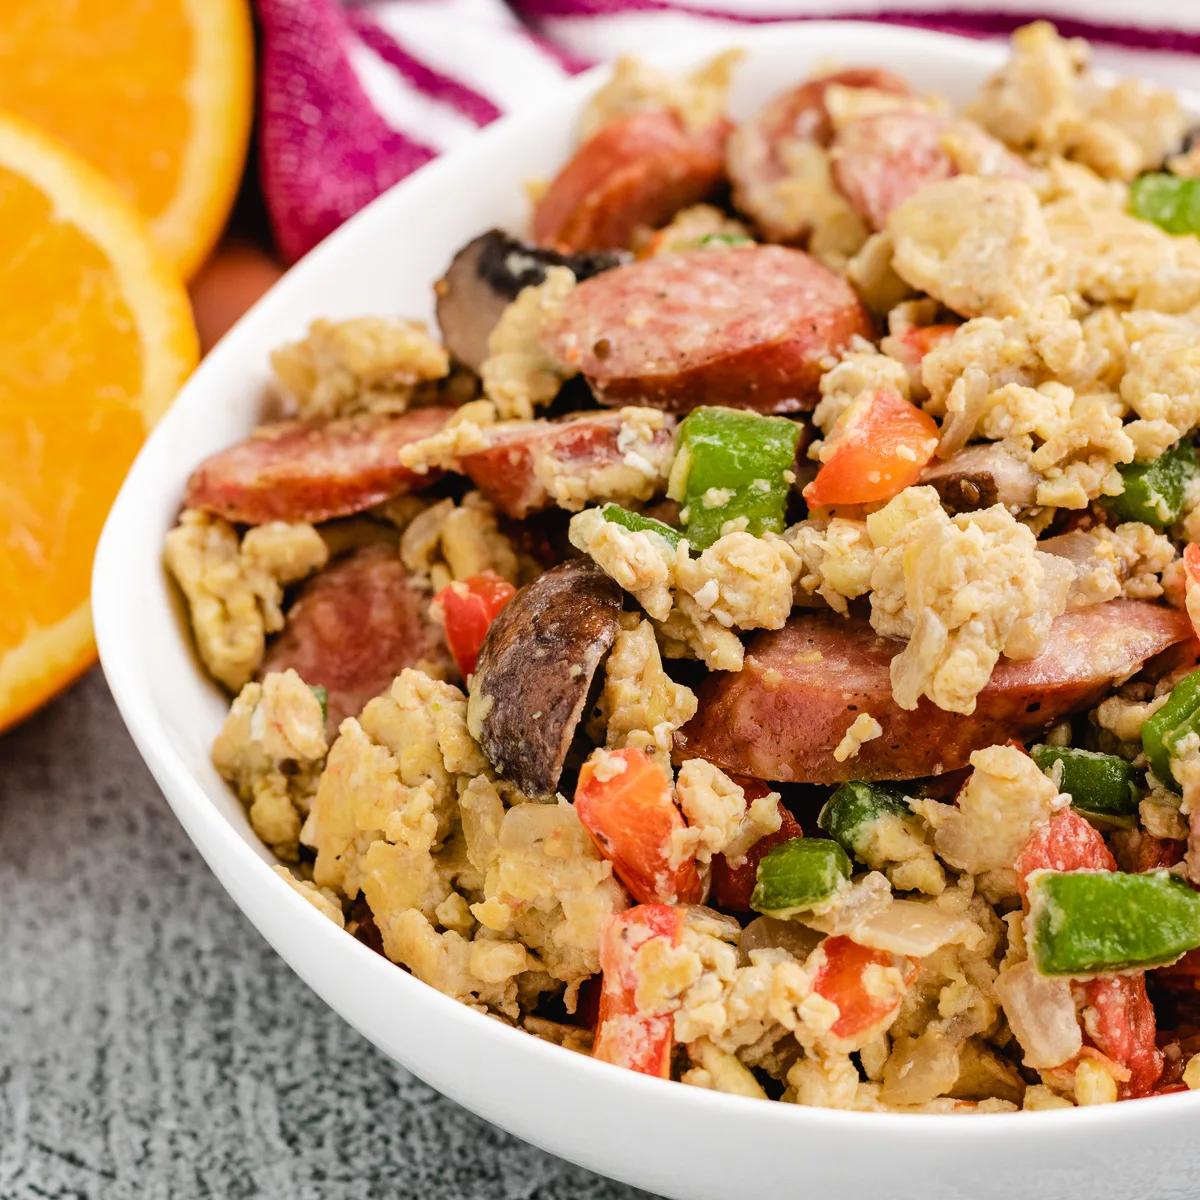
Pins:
<point x="96" y="337"/>
<point x="155" y="93"/>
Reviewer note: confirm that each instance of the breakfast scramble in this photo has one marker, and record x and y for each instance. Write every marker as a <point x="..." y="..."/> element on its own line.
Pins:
<point x="756" y="644"/>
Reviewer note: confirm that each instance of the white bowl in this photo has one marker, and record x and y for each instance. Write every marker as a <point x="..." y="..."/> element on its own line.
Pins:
<point x="676" y="1140"/>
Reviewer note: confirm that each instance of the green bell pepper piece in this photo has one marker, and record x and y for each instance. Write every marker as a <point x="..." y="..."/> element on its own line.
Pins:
<point x="730" y="465"/>
<point x="799" y="874"/>
<point x="1178" y="717"/>
<point x="1170" y="202"/>
<point x="726" y="239"/>
<point x="1098" y="922"/>
<point x="853" y="813"/>
<point x="639" y="524"/>
<point x="1102" y="786"/>
<point x="1154" y="492"/>
<point x="323" y="696"/>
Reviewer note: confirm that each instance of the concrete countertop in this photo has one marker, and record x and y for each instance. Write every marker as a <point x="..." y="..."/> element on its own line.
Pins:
<point x="153" y="1046"/>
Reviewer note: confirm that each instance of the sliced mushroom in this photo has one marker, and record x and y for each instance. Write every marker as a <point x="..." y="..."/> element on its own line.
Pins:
<point x="535" y="670"/>
<point x="979" y="476"/>
<point x="486" y="275"/>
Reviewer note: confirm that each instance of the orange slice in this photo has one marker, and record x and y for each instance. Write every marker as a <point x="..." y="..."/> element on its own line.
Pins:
<point x="96" y="336"/>
<point x="155" y="93"/>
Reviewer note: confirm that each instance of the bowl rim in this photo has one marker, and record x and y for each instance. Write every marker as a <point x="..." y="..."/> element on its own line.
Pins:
<point x="116" y="631"/>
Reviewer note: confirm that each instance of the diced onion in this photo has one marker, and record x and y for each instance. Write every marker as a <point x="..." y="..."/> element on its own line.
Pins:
<point x="913" y="928"/>
<point x="859" y="902"/>
<point x="767" y="933"/>
<point x="1041" y="1014"/>
<point x="964" y="407"/>
<point x="919" y="1070"/>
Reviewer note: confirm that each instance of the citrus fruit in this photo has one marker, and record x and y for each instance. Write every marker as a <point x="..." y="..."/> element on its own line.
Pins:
<point x="96" y="336"/>
<point x="155" y="93"/>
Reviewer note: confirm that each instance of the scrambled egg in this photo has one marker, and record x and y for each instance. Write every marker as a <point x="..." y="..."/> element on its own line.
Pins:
<point x="448" y="542"/>
<point x="234" y="590"/>
<point x="365" y="364"/>
<point x="518" y="375"/>
<point x="978" y="246"/>
<point x="1005" y="799"/>
<point x="272" y="750"/>
<point x="963" y="590"/>
<point x="640" y="706"/>
<point x="836" y="559"/>
<point x="698" y="99"/>
<point x="1040" y="103"/>
<point x="739" y="582"/>
<point x="719" y="821"/>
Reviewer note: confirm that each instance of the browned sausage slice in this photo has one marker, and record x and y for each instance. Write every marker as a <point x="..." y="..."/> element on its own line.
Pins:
<point x="882" y="159"/>
<point x="638" y="170"/>
<point x="535" y="670"/>
<point x="746" y="327"/>
<point x="522" y="462"/>
<point x="756" y="153"/>
<point x="829" y="670"/>
<point x="313" y="470"/>
<point x="354" y="627"/>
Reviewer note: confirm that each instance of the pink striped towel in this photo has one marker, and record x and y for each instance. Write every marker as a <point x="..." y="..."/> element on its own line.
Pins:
<point x="357" y="95"/>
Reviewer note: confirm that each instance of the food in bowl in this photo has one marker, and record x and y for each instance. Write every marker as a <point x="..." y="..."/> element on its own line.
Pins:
<point x="753" y="644"/>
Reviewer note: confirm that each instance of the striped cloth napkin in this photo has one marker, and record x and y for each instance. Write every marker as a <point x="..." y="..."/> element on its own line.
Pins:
<point x="356" y="95"/>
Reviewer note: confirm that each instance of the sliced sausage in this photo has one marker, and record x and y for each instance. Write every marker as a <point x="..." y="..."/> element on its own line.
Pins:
<point x="485" y="277"/>
<point x="882" y="159"/>
<point x="748" y="327"/>
<point x="354" y="627"/>
<point x="980" y="476"/>
<point x="523" y="461"/>
<point x="827" y="670"/>
<point x="535" y="669"/>
<point x="638" y="170"/>
<point x="313" y="470"/>
<point x="757" y="150"/>
<point x="801" y="114"/>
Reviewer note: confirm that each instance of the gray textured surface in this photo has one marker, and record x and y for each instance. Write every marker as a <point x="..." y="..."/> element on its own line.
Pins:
<point x="152" y="1045"/>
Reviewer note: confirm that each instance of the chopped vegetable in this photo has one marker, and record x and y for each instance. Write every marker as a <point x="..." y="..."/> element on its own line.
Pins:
<point x="733" y="887"/>
<point x="1065" y="843"/>
<point x="1171" y="202"/>
<point x="1102" y="786"/>
<point x="626" y="1037"/>
<point x="1178" y="717"/>
<point x="1121" y="1024"/>
<point x="1100" y="922"/>
<point x="733" y="467"/>
<point x="845" y="978"/>
<point x="799" y="875"/>
<point x="323" y="699"/>
<point x="1154" y="492"/>
<point x="1191" y="584"/>
<point x="639" y="524"/>
<point x="852" y="815"/>
<point x="624" y="801"/>
<point x="468" y="609"/>
<point x="725" y="239"/>
<point x="878" y="448"/>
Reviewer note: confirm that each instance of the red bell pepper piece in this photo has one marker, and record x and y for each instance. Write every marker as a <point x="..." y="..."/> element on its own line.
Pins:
<point x="626" y="1036"/>
<point x="468" y="608"/>
<point x="634" y="820"/>
<point x="840" y="978"/>
<point x="881" y="443"/>
<point x="1118" y="1017"/>
<point x="1065" y="843"/>
<point x="1119" y="1022"/>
